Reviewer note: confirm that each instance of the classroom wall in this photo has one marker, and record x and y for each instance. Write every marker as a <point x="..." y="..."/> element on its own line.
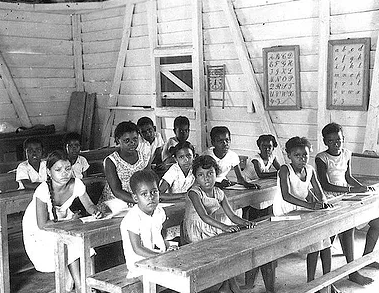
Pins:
<point x="40" y="57"/>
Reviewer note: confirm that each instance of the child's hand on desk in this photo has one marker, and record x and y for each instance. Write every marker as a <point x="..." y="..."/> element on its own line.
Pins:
<point x="225" y="183"/>
<point x="97" y="214"/>
<point x="322" y="205"/>
<point x="232" y="228"/>
<point x="359" y="189"/>
<point x="247" y="225"/>
<point x="251" y="185"/>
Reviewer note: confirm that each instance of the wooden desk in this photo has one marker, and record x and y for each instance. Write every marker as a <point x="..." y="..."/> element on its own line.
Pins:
<point x="200" y="265"/>
<point x="15" y="202"/>
<point x="108" y="231"/>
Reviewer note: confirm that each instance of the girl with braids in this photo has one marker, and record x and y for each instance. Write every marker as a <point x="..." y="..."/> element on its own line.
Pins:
<point x="50" y="203"/>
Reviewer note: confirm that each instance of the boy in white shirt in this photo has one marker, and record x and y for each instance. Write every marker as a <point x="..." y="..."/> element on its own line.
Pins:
<point x="72" y="147"/>
<point x="32" y="172"/>
<point x="141" y="228"/>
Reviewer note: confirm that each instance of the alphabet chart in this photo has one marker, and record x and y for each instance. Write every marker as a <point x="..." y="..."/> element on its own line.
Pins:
<point x="348" y="74"/>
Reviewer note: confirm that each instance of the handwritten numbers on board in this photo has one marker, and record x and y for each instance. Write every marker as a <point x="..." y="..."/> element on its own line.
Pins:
<point x="348" y="70"/>
<point x="281" y="74"/>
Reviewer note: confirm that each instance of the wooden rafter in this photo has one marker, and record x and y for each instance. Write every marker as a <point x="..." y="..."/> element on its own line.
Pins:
<point x="78" y="52"/>
<point x="115" y="89"/>
<point x="14" y="94"/>
<point x="247" y="68"/>
<point x="372" y="124"/>
<point x="324" y="34"/>
<point x="198" y="74"/>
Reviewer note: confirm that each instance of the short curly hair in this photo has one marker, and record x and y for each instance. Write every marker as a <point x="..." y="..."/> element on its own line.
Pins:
<point x="295" y="142"/>
<point x="267" y="137"/>
<point x="219" y="130"/>
<point x="205" y="162"/>
<point x="124" y="127"/>
<point x="331" y="128"/>
<point x="183" y="145"/>
<point x="145" y="175"/>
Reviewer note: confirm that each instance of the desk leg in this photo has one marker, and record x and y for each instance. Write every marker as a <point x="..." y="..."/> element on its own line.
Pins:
<point x="85" y="265"/>
<point x="148" y="287"/>
<point x="4" y="253"/>
<point x="60" y="266"/>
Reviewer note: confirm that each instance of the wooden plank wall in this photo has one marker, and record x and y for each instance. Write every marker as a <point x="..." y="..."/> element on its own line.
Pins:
<point x="37" y="48"/>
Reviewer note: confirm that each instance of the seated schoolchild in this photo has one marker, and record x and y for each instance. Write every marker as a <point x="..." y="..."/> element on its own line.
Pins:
<point x="334" y="171"/>
<point x="181" y="130"/>
<point x="225" y="158"/>
<point x="178" y="178"/>
<point x="32" y="172"/>
<point x="72" y="147"/>
<point x="152" y="138"/>
<point x="141" y="228"/>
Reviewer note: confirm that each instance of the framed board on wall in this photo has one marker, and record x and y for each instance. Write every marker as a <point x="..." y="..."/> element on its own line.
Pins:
<point x="348" y="74"/>
<point x="281" y="77"/>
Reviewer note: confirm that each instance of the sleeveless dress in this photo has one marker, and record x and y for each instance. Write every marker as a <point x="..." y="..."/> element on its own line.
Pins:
<point x="299" y="189"/>
<point x="195" y="229"/>
<point x="249" y="173"/>
<point x="336" y="167"/>
<point x="124" y="172"/>
<point x="40" y="244"/>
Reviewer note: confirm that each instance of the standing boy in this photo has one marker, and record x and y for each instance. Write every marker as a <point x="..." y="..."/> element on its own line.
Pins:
<point x="31" y="172"/>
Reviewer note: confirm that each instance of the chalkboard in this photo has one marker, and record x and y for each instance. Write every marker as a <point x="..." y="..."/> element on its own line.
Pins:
<point x="281" y="77"/>
<point x="348" y="74"/>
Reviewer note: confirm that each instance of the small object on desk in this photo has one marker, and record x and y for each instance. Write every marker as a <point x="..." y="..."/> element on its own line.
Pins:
<point x="285" y="218"/>
<point x="91" y="218"/>
<point x="236" y="187"/>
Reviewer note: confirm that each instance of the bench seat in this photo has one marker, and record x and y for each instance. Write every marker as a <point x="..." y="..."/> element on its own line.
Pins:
<point x="114" y="280"/>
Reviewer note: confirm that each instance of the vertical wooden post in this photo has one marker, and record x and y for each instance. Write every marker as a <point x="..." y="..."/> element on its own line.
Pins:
<point x="152" y="22"/>
<point x="115" y="89"/>
<point x="247" y="68"/>
<point x="13" y="94"/>
<point x="198" y="74"/>
<point x="372" y="124"/>
<point x="78" y="51"/>
<point x="324" y="32"/>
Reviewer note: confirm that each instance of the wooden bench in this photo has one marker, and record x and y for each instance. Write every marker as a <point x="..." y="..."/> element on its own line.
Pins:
<point x="114" y="280"/>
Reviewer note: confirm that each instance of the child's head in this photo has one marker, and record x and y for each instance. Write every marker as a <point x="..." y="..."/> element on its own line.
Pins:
<point x="181" y="128"/>
<point x="144" y="185"/>
<point x="126" y="135"/>
<point x="333" y="137"/>
<point x="220" y="139"/>
<point x="58" y="167"/>
<point x="205" y="170"/>
<point x="146" y="128"/>
<point x="184" y="153"/>
<point x="298" y="149"/>
<point x="71" y="144"/>
<point x="33" y="150"/>
<point x="266" y="144"/>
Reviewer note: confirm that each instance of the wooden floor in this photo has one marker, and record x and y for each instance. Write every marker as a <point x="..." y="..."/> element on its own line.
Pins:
<point x="290" y="272"/>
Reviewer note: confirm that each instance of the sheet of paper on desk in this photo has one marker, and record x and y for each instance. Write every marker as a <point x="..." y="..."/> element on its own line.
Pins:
<point x="164" y="204"/>
<point x="285" y="218"/>
<point x="92" y="218"/>
<point x="236" y="187"/>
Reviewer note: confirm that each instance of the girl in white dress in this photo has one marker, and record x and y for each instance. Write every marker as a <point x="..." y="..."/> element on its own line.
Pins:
<point x="51" y="203"/>
<point x="301" y="190"/>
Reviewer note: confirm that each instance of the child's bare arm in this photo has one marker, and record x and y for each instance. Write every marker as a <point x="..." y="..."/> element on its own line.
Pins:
<point x="321" y="169"/>
<point x="232" y="216"/>
<point x="276" y="164"/>
<point x="42" y="214"/>
<point x="115" y="183"/>
<point x="242" y="181"/>
<point x="90" y="207"/>
<point x="29" y="184"/>
<point x="350" y="179"/>
<point x="136" y="243"/>
<point x="287" y="196"/>
<point x="200" y="209"/>
<point x="319" y="193"/>
<point x="260" y="174"/>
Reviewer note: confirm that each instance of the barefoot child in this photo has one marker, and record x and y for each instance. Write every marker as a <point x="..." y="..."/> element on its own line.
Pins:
<point x="142" y="225"/>
<point x="72" y="147"/>
<point x="225" y="158"/>
<point x="32" y="172"/>
<point x="51" y="202"/>
<point x="120" y="166"/>
<point x="179" y="178"/>
<point x="205" y="208"/>
<point x="334" y="171"/>
<point x="300" y="189"/>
